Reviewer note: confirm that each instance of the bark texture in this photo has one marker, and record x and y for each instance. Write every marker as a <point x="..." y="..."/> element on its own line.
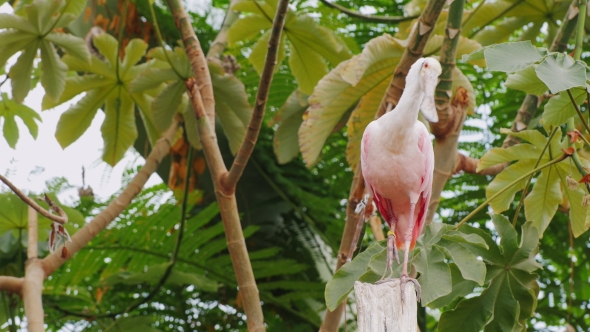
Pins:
<point x="225" y="181"/>
<point x="380" y="307"/>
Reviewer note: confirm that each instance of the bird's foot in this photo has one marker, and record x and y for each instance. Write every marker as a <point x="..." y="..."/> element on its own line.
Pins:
<point x="402" y="283"/>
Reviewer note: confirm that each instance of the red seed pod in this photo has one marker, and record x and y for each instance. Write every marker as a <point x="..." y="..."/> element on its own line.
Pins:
<point x="64" y="252"/>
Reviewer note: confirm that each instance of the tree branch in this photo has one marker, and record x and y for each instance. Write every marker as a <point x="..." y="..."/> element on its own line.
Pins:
<point x="102" y="220"/>
<point x="450" y="117"/>
<point x="220" y="42"/>
<point x="249" y="142"/>
<point x="33" y="281"/>
<point x="417" y="41"/>
<point x="11" y="284"/>
<point x="62" y="218"/>
<point x="201" y="80"/>
<point x="369" y="18"/>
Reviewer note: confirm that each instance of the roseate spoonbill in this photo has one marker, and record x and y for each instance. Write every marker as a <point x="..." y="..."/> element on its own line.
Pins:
<point x="397" y="161"/>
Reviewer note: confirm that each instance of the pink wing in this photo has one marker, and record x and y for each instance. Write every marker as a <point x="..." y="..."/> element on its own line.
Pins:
<point x="383" y="205"/>
<point x="425" y="146"/>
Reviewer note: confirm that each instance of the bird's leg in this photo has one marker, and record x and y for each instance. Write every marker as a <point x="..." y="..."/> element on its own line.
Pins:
<point x="404" y="277"/>
<point x="391" y="253"/>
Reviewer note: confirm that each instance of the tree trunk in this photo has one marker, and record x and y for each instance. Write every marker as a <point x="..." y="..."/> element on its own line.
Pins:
<point x="380" y="307"/>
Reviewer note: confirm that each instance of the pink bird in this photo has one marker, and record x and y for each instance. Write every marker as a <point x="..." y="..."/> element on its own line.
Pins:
<point x="397" y="161"/>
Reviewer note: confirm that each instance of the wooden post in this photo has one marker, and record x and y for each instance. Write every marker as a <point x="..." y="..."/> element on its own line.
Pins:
<point x="380" y="309"/>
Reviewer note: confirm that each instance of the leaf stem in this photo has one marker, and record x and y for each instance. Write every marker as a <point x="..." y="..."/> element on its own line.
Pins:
<point x="584" y="122"/>
<point x="526" y="187"/>
<point x="580" y="32"/>
<point x="575" y="156"/>
<point x="513" y="183"/>
<point x="369" y="18"/>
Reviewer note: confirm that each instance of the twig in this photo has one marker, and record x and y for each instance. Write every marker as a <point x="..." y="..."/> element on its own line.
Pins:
<point x="11" y="284"/>
<point x="62" y="218"/>
<point x="510" y="185"/>
<point x="584" y="122"/>
<point x="103" y="219"/>
<point x="369" y="18"/>
<point x="249" y="142"/>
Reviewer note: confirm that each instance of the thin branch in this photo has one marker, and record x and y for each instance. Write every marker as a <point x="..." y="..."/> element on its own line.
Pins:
<point x="32" y="250"/>
<point x="369" y="18"/>
<point x="249" y="142"/>
<point x="11" y="284"/>
<point x="220" y="42"/>
<point x="102" y="220"/>
<point x="62" y="218"/>
<point x="469" y="165"/>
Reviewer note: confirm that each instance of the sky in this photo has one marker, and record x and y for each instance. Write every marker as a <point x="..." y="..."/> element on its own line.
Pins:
<point x="33" y="162"/>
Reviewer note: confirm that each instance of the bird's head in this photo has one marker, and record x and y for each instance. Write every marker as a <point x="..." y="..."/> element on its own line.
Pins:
<point x="428" y="71"/>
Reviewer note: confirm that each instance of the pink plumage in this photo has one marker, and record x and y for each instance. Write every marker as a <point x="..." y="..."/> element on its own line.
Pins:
<point x="397" y="160"/>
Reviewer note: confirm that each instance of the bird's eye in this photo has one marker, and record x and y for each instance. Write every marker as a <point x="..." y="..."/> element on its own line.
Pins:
<point x="426" y="65"/>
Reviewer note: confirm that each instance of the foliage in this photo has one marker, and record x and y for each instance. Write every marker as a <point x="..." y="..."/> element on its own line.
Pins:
<point x="293" y="216"/>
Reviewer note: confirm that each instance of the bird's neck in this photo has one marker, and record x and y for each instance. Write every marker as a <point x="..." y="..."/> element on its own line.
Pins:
<point x="405" y="114"/>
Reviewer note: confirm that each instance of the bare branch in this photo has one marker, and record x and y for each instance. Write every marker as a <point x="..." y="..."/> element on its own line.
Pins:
<point x="249" y="142"/>
<point x="32" y="250"/>
<point x="369" y="18"/>
<point x="469" y="165"/>
<point x="62" y="219"/>
<point x="102" y="220"/>
<point x="11" y="284"/>
<point x="220" y="42"/>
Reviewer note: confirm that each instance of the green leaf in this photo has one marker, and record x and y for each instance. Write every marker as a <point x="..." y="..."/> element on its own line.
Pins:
<point x="166" y="104"/>
<point x="511" y="57"/>
<point x="289" y="119"/>
<point x="435" y="274"/>
<point x="9" y="109"/>
<point x="134" y="51"/>
<point x="542" y="202"/>
<point x="152" y="79"/>
<point x="340" y="91"/>
<point x="75" y="85"/>
<point x="471" y="268"/>
<point x="74" y="122"/>
<point x="460" y="287"/>
<point x="53" y="71"/>
<point x="561" y="72"/>
<point x="526" y="80"/>
<point x="307" y="66"/>
<point x="501" y="155"/>
<point x="246" y="28"/>
<point x="118" y="129"/>
<point x="502" y="180"/>
<point x="560" y="108"/>
<point x="107" y="45"/>
<point x="10" y="130"/>
<point x="71" y="44"/>
<point x="342" y="283"/>
<point x="11" y="21"/>
<point x="510" y="298"/>
<point x="461" y="237"/>
<point x="20" y="73"/>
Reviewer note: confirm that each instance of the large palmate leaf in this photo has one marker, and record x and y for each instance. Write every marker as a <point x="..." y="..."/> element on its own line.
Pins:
<point x="309" y="44"/>
<point x="511" y="296"/>
<point x="357" y="84"/>
<point x="173" y="68"/>
<point x="9" y="110"/>
<point x="106" y="86"/>
<point x="34" y="32"/>
<point x="560" y="108"/>
<point x="441" y="250"/>
<point x="542" y="202"/>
